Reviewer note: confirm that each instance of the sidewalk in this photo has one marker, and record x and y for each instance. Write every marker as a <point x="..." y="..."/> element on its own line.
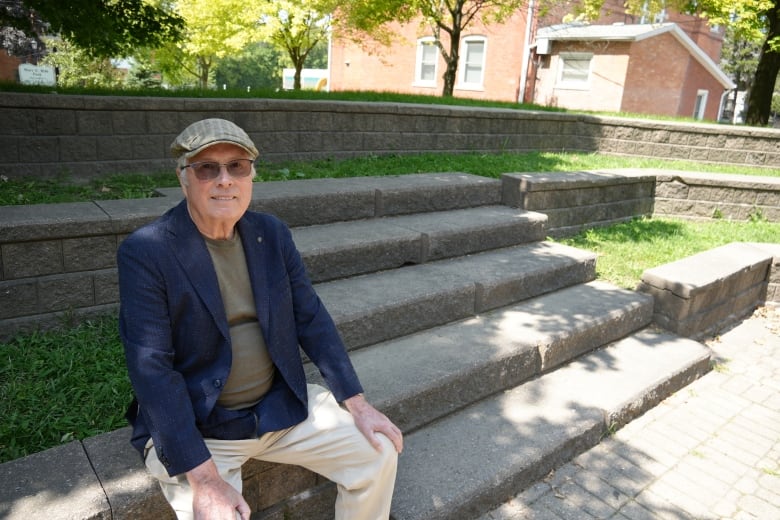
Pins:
<point x="711" y="451"/>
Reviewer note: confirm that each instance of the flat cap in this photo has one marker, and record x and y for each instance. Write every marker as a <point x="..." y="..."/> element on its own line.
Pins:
<point x="207" y="132"/>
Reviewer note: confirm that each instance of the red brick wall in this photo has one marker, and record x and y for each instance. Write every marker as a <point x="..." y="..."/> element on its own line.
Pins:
<point x="656" y="71"/>
<point x="393" y="68"/>
<point x="9" y="67"/>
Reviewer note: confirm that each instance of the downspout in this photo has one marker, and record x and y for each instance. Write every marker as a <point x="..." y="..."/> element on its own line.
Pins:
<point x="526" y="52"/>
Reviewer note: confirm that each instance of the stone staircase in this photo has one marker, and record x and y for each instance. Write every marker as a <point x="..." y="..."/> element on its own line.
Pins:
<point x="495" y="351"/>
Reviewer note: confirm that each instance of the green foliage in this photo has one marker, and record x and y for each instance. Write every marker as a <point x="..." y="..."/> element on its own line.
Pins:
<point x="61" y="385"/>
<point x="101" y="28"/>
<point x="258" y="67"/>
<point x="47" y="191"/>
<point x="77" y="68"/>
<point x="296" y="28"/>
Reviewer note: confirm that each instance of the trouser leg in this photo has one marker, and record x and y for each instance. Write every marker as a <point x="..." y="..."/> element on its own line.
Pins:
<point x="228" y="456"/>
<point x="328" y="443"/>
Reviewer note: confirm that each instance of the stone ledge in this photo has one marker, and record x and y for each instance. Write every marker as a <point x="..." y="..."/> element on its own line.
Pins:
<point x="706" y="292"/>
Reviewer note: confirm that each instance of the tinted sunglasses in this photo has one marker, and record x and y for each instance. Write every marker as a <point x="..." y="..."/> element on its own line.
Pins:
<point x="209" y="170"/>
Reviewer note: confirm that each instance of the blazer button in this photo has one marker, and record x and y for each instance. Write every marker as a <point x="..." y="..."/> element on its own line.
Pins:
<point x="217" y="383"/>
<point x="259" y="240"/>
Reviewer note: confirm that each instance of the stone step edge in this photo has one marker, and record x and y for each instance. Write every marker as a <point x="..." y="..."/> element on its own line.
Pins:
<point x="371" y="308"/>
<point x="420" y="377"/>
<point x="555" y="417"/>
<point x="342" y="249"/>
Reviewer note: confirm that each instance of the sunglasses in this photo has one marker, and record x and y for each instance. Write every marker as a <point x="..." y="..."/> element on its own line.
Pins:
<point x="209" y="170"/>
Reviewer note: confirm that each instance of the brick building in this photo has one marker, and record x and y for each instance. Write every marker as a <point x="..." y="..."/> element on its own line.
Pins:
<point x="633" y="66"/>
<point x="650" y="69"/>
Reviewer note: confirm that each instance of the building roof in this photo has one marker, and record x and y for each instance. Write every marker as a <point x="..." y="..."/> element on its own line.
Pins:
<point x="632" y="33"/>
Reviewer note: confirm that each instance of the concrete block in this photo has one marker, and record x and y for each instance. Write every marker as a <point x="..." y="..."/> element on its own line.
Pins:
<point x="710" y="290"/>
<point x="435" y="192"/>
<point x="51" y="221"/>
<point x="106" y="285"/>
<point x="65" y="292"/>
<point x="27" y="259"/>
<point x="39" y="149"/>
<point x="333" y="251"/>
<point x="316" y="201"/>
<point x="131" y="492"/>
<point x="78" y="148"/>
<point x="89" y="253"/>
<point x="18" y="298"/>
<point x="56" y="484"/>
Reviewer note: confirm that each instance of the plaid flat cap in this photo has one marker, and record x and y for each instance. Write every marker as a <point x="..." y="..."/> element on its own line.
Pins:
<point x="202" y="134"/>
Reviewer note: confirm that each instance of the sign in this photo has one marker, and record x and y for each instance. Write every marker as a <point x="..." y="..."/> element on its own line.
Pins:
<point x="311" y="79"/>
<point x="37" y="75"/>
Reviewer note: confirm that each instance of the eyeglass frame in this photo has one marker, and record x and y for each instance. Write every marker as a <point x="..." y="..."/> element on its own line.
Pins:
<point x="194" y="166"/>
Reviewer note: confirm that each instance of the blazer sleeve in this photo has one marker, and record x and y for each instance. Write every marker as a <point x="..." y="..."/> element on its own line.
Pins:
<point x="316" y="331"/>
<point x="145" y="330"/>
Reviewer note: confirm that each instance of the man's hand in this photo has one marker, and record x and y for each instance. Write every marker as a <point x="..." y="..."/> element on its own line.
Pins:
<point x="212" y="497"/>
<point x="370" y="421"/>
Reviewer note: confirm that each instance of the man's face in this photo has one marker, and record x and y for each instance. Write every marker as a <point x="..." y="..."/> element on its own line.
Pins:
<point x="216" y="205"/>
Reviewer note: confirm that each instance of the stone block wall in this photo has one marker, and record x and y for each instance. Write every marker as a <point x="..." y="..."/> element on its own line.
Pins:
<point x="579" y="200"/>
<point x="46" y="135"/>
<point x="734" y="197"/>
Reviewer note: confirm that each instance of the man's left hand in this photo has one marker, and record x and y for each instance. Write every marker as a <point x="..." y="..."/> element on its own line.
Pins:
<point x="371" y="421"/>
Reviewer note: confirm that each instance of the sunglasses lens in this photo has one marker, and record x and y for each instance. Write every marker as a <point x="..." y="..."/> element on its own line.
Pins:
<point x="209" y="170"/>
<point x="239" y="168"/>
<point x="206" y="170"/>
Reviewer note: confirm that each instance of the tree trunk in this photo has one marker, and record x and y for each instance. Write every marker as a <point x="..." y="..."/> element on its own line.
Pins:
<point x="452" y="63"/>
<point x="759" y="104"/>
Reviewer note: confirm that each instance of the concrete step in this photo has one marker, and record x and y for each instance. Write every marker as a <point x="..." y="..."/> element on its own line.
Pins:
<point x="467" y="463"/>
<point x="343" y="249"/>
<point x="424" y="376"/>
<point x="380" y="306"/>
<point x="320" y="201"/>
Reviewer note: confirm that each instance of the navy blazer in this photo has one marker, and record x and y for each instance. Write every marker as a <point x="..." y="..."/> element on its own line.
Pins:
<point x="177" y="341"/>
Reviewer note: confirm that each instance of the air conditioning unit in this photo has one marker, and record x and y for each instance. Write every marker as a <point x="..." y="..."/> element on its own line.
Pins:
<point x="543" y="46"/>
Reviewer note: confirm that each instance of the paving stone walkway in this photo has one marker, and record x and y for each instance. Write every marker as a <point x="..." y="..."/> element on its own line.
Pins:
<point x="709" y="452"/>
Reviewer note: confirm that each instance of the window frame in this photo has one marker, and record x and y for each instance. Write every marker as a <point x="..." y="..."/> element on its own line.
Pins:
<point x="422" y="43"/>
<point x="463" y="65"/>
<point x="569" y="83"/>
<point x="699" y="109"/>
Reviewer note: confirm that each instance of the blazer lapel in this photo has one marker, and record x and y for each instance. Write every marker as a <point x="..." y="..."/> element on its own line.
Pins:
<point x="191" y="252"/>
<point x="256" y="253"/>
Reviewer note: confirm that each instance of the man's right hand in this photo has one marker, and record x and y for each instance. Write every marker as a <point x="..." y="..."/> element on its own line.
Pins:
<point x="212" y="497"/>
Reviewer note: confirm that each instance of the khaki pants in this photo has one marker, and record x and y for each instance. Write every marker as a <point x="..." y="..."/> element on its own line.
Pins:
<point x="327" y="442"/>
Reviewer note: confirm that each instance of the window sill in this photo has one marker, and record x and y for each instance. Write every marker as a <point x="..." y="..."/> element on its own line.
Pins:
<point x="472" y="88"/>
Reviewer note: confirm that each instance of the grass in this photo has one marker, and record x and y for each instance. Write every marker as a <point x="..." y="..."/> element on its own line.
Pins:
<point x="62" y="385"/>
<point x="71" y="383"/>
<point x="626" y="250"/>
<point x="63" y="189"/>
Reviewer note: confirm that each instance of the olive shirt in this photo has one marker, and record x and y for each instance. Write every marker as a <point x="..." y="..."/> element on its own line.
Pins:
<point x="251" y="371"/>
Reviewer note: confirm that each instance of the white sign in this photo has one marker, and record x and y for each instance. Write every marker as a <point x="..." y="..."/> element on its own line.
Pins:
<point x="311" y="79"/>
<point x="37" y="75"/>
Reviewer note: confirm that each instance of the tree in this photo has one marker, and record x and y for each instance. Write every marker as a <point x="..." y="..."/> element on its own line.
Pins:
<point x="739" y="59"/>
<point x="296" y="27"/>
<point x="76" y="68"/>
<point x="101" y="28"/>
<point x="749" y="20"/>
<point x="214" y="29"/>
<point x="258" y="66"/>
<point x="439" y="17"/>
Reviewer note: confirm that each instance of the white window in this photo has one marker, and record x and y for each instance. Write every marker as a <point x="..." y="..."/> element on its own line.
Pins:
<point x="427" y="59"/>
<point x="701" y="104"/>
<point x="575" y="70"/>
<point x="472" y="65"/>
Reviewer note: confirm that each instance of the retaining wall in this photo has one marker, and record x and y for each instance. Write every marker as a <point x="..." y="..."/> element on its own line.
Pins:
<point x="45" y="135"/>
<point x="58" y="260"/>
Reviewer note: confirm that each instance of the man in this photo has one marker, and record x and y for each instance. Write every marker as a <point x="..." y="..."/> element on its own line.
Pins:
<point x="215" y="302"/>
